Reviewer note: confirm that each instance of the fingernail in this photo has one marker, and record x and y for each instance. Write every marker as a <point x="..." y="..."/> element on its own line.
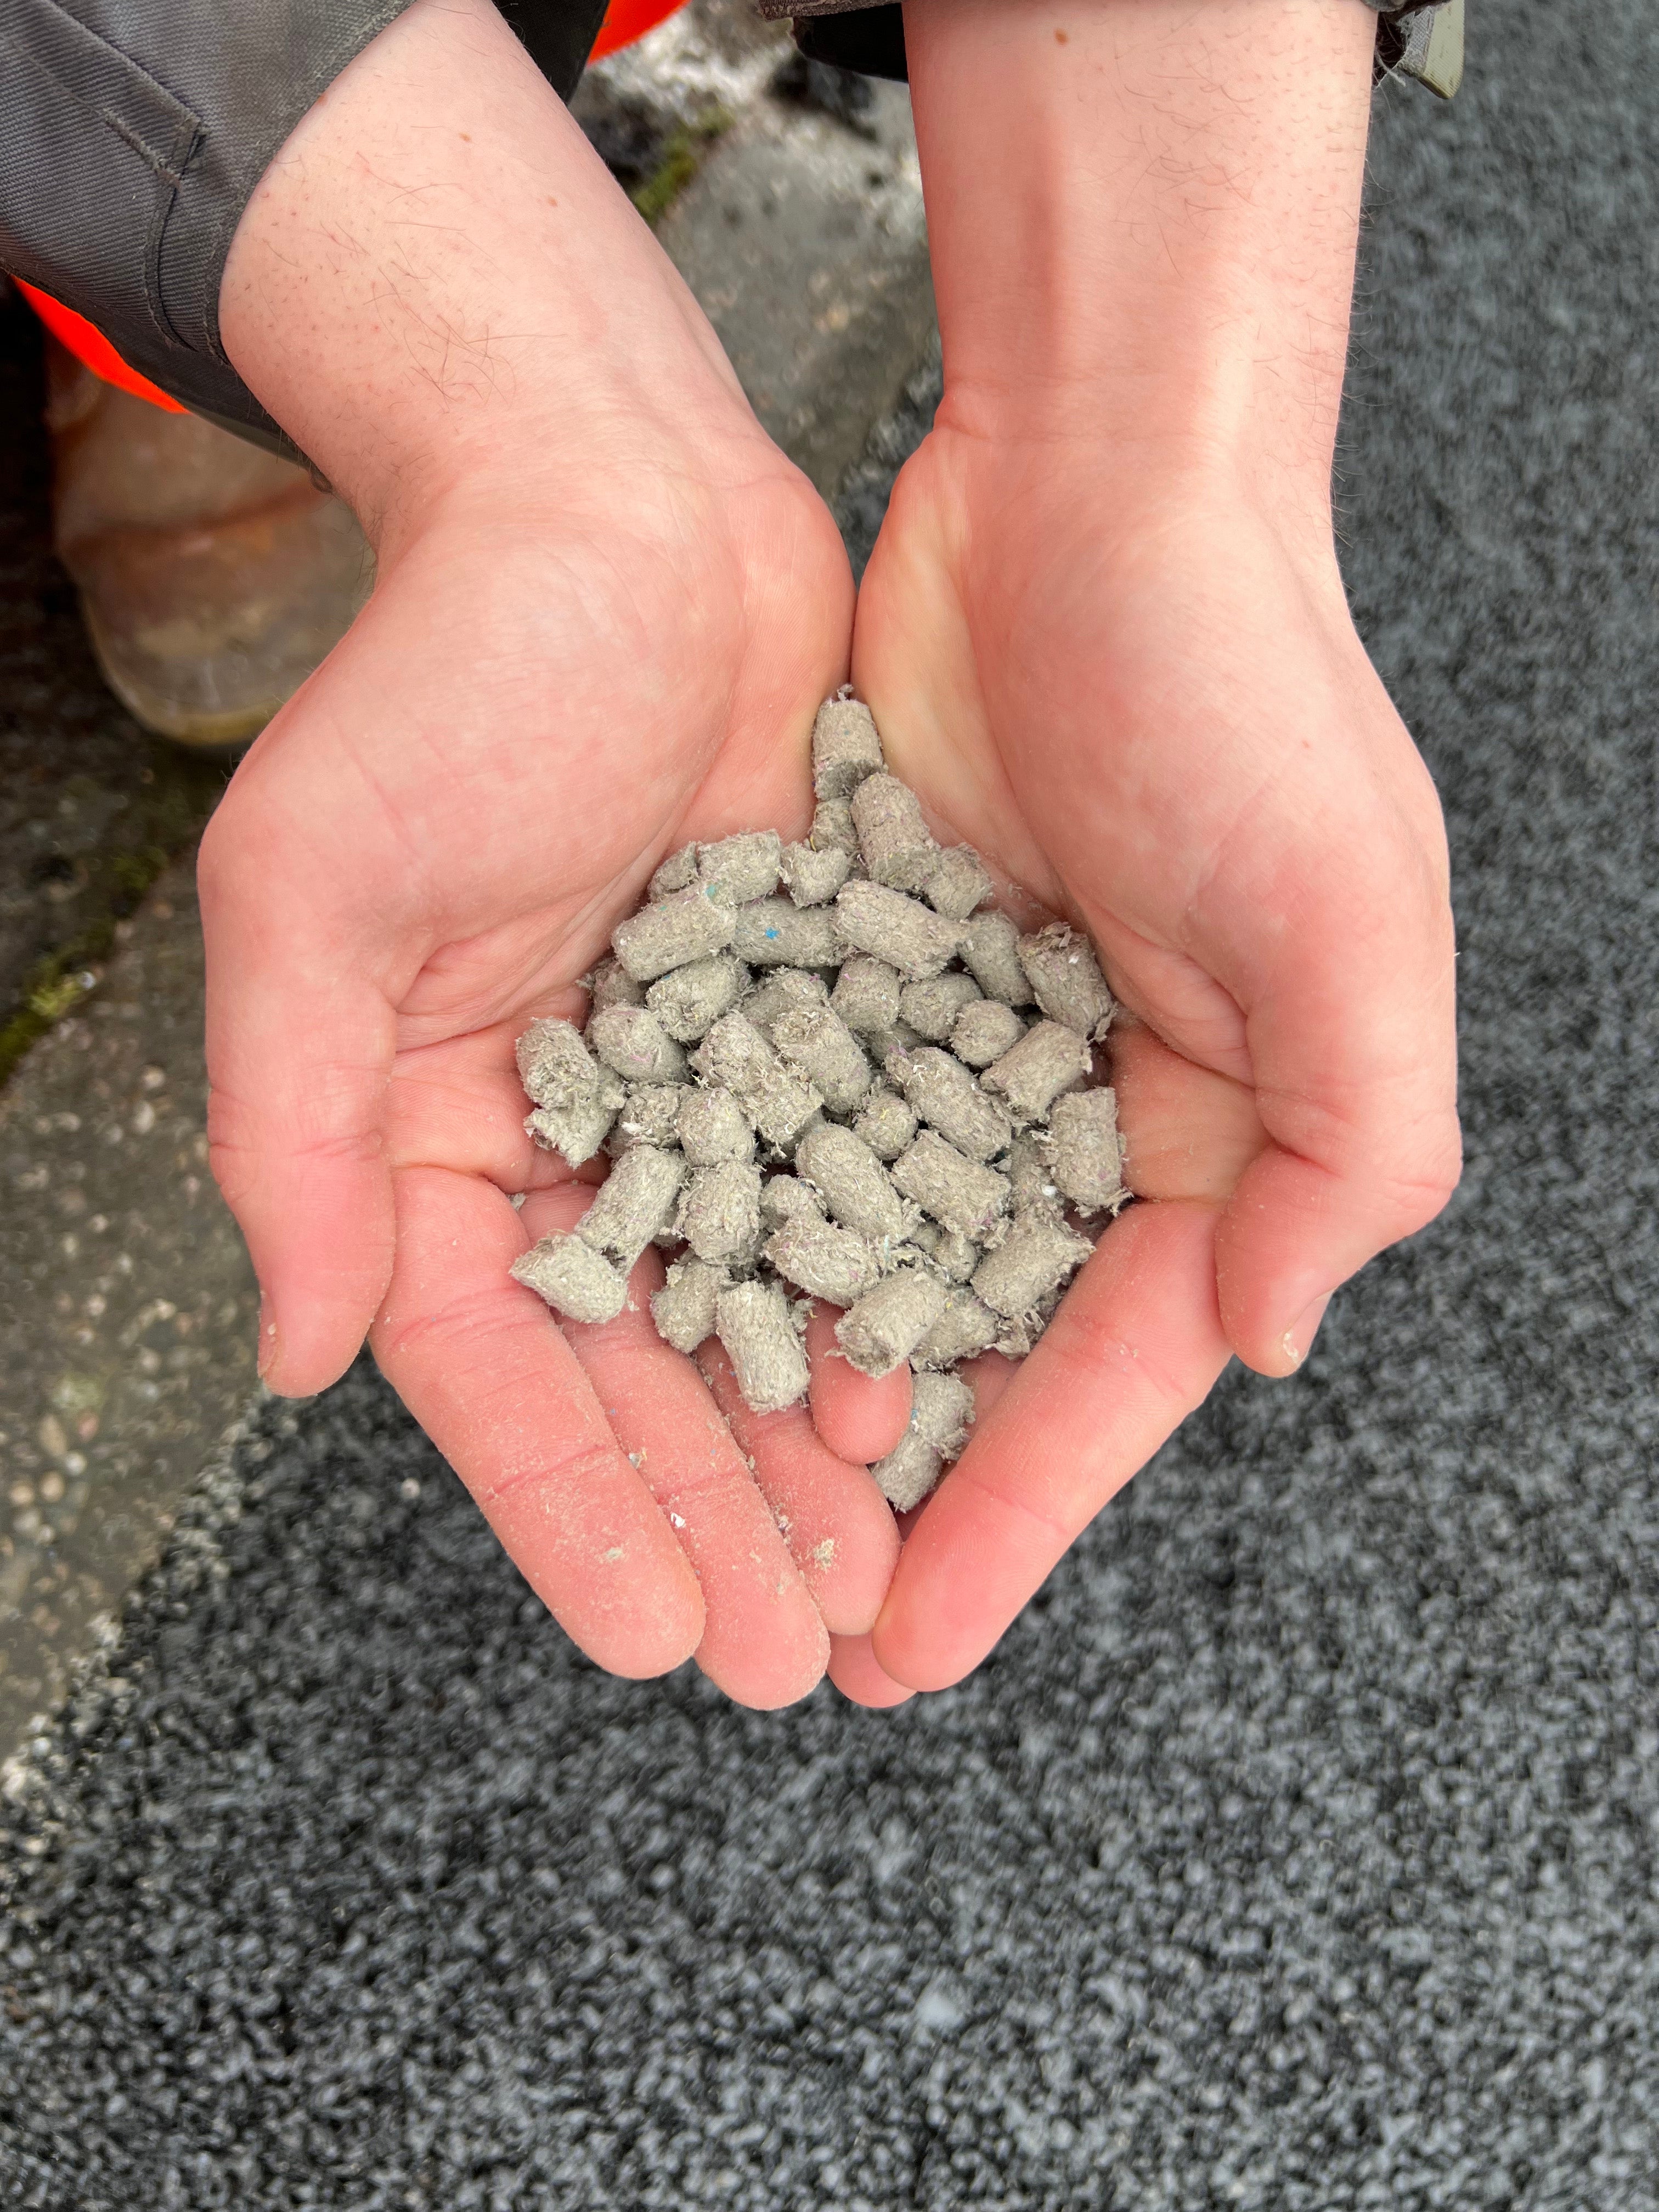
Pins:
<point x="267" y="1336"/>
<point x="1298" y="1340"/>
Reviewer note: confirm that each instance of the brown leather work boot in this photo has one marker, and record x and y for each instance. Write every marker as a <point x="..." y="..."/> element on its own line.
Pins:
<point x="214" y="576"/>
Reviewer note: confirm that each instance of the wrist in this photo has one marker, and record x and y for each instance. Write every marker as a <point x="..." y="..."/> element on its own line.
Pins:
<point x="437" y="290"/>
<point x="1143" y="215"/>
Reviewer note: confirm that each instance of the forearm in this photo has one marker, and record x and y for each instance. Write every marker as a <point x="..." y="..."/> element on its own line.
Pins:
<point x="1142" y="216"/>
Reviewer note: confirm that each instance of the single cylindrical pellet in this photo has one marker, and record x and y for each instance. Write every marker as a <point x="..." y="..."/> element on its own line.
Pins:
<point x="577" y="1132"/>
<point x="671" y="933"/>
<point x="931" y="1008"/>
<point x="779" y="1105"/>
<point x="739" y="869"/>
<point x="960" y="1194"/>
<point x="719" y="1215"/>
<point x="689" y="1001"/>
<point x="676" y="873"/>
<point x="834" y="830"/>
<point x="956" y="883"/>
<point x="633" y="1042"/>
<point x="897" y="845"/>
<point x="573" y="1277"/>
<point x="1087" y="1153"/>
<point x="853" y="1181"/>
<point x="887" y="1123"/>
<point x="941" y="1413"/>
<point x="947" y="1095"/>
<point x="555" y="1067"/>
<point x="907" y="935"/>
<point x="990" y="952"/>
<point x="712" y="1127"/>
<point x="784" y="1196"/>
<point x="1065" y="979"/>
<point x="781" y="991"/>
<point x="1048" y="1059"/>
<point x="955" y="1256"/>
<point x="1036" y="1257"/>
<point x="753" y="1323"/>
<point x="819" y="1045"/>
<point x="650" y="1116"/>
<point x="845" y="748"/>
<point x="886" y="1325"/>
<point x="775" y="933"/>
<point x="635" y="1202"/>
<point x="823" y="1259"/>
<point x="683" y="1310"/>
<point x="983" y="1032"/>
<point x="813" y="877"/>
<point x="868" y="993"/>
<point x="1031" y="1185"/>
<point x="610" y="985"/>
<point x="966" y="1327"/>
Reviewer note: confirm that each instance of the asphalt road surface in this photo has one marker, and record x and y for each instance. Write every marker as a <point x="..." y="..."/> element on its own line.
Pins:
<point x="1297" y="1848"/>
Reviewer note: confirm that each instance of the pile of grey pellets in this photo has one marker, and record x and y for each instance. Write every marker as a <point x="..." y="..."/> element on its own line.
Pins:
<point x="833" y="1070"/>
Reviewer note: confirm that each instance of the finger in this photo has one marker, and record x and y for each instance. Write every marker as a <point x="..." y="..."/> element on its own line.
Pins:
<point x="481" y="1365"/>
<point x="764" y="1642"/>
<point x="299" y="1049"/>
<point x="834" y="1520"/>
<point x="858" y="1675"/>
<point x="1135" y="1346"/>
<point x="1187" y="1132"/>
<point x="860" y="1417"/>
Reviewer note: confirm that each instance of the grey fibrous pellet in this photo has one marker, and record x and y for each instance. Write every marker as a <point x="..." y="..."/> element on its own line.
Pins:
<point x="955" y="1256"/>
<point x="1031" y="1185"/>
<point x="960" y="1194"/>
<point x="931" y="1008"/>
<point x="676" y="873"/>
<point x="1036" y="1257"/>
<point x="834" y="830"/>
<point x="689" y="1001"/>
<point x="823" y="1259"/>
<point x="577" y="1132"/>
<point x="813" y="877"/>
<point x="635" y="1202"/>
<point x="649" y="1115"/>
<point x="956" y="883"/>
<point x="898" y="929"/>
<point x="819" y="1045"/>
<point x="965" y="1328"/>
<point x="740" y="869"/>
<point x="671" y="933"/>
<point x="941" y="1412"/>
<point x="868" y="993"/>
<point x="886" y="1325"/>
<point x="845" y="748"/>
<point x="983" y="1032"/>
<point x="712" y="1127"/>
<point x="853" y="1182"/>
<point x="683" y="1310"/>
<point x="610" y="985"/>
<point x="780" y="991"/>
<point x="1087" y="1152"/>
<point x="1065" y="979"/>
<point x="775" y="933"/>
<point x="887" y="1123"/>
<point x="896" y="845"/>
<point x="574" y="1278"/>
<point x="1048" y="1059"/>
<point x="947" y="1096"/>
<point x="990" y="952"/>
<point x="633" y="1042"/>
<point x="555" y="1067"/>
<point x="753" y="1323"/>
<point x="778" y="1104"/>
<point x="719" y="1215"/>
<point x="784" y="1196"/>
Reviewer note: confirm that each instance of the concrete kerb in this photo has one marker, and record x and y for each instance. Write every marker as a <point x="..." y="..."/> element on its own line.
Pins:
<point x="127" y="1307"/>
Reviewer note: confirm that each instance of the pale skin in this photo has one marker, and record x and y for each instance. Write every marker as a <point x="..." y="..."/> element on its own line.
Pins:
<point x="1105" y="637"/>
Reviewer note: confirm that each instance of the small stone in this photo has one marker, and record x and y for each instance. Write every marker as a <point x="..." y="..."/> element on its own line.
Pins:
<point x="834" y="830"/>
<point x="672" y="934"/>
<point x="775" y="933"/>
<point x="966" y="1327"/>
<point x="853" y="1182"/>
<point x="1087" y="1152"/>
<point x="683" y="1310"/>
<point x="676" y="873"/>
<point x="1049" y="1058"/>
<point x="884" y="1328"/>
<point x="960" y="1194"/>
<point x="868" y="993"/>
<point x="825" y="1261"/>
<point x="573" y="1277"/>
<point x="931" y="1008"/>
<point x="636" y="1203"/>
<point x="633" y="1042"/>
<point x="897" y="845"/>
<point x="887" y="1124"/>
<point x="907" y="935"/>
<point x="1065" y="979"/>
<point x="845" y="748"/>
<point x="691" y="999"/>
<point x="753" y="1323"/>
<point x="947" y="1096"/>
<point x="712" y="1127"/>
<point x="813" y="877"/>
<point x="719" y="1215"/>
<point x="739" y="870"/>
<point x="650" y="1116"/>
<point x="983" y="1032"/>
<point x="778" y="1105"/>
<point x="1037" y="1256"/>
<point x="956" y="884"/>
<point x="819" y="1045"/>
<point x="610" y="985"/>
<point x="941" y="1412"/>
<point x="990" y="952"/>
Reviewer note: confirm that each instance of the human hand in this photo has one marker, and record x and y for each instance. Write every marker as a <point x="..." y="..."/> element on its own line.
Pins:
<point x="1106" y="639"/>
<point x="606" y="608"/>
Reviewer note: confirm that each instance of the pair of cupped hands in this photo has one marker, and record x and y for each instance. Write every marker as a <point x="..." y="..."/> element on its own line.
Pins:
<point x="1113" y="655"/>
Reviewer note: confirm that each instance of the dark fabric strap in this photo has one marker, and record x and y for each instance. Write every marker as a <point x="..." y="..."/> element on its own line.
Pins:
<point x="132" y="133"/>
